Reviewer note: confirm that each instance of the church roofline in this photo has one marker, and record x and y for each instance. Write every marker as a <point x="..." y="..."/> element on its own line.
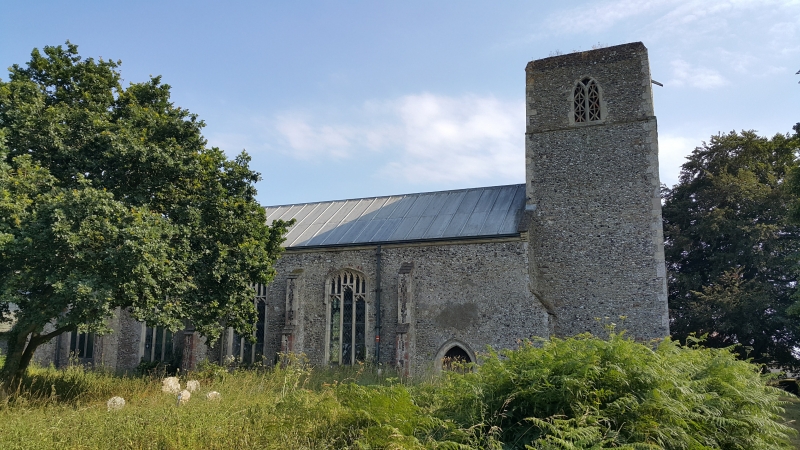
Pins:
<point x="511" y="237"/>
<point x="455" y="214"/>
<point x="394" y="195"/>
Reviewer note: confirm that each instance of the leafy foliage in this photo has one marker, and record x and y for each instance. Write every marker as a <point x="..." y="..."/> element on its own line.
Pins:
<point x="731" y="248"/>
<point x="109" y="198"/>
<point x="586" y="392"/>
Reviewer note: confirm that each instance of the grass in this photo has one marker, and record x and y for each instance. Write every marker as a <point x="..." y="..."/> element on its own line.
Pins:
<point x="792" y="415"/>
<point x="292" y="407"/>
<point x="299" y="407"/>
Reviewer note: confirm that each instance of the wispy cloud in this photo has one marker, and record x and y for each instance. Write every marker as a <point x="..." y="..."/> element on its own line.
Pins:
<point x="785" y="36"/>
<point x="308" y="141"/>
<point x="602" y="16"/>
<point x="702" y="32"/>
<point x="662" y="15"/>
<point x="425" y="137"/>
<point x="684" y="74"/>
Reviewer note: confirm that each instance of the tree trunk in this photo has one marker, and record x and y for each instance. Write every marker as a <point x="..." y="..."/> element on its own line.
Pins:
<point x="21" y="350"/>
<point x="13" y="370"/>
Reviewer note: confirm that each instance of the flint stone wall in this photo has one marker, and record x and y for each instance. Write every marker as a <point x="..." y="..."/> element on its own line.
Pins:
<point x="475" y="293"/>
<point x="593" y="195"/>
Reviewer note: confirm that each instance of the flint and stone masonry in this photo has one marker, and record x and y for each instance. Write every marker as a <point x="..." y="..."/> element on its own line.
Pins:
<point x="414" y="281"/>
<point x="593" y="202"/>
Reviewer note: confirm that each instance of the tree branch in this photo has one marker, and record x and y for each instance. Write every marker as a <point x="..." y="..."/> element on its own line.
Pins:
<point x="47" y="336"/>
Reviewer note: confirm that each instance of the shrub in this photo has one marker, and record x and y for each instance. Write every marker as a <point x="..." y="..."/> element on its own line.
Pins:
<point x="586" y="392"/>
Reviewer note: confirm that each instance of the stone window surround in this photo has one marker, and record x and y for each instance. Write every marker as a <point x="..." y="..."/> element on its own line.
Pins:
<point x="367" y="301"/>
<point x="446" y="347"/>
<point x="571" y="102"/>
<point x="81" y="345"/>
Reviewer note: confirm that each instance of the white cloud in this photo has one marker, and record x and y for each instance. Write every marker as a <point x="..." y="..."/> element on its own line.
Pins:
<point x="672" y="153"/>
<point x="309" y="141"/>
<point x="449" y="139"/>
<point x="784" y="36"/>
<point x="684" y="74"/>
<point x="427" y="137"/>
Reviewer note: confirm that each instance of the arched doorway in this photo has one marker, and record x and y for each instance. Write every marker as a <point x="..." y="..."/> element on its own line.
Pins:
<point x="454" y="354"/>
<point x="455" y="359"/>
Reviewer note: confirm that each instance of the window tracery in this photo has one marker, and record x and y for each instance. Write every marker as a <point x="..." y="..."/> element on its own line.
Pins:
<point x="157" y="344"/>
<point x="347" y="317"/>
<point x="242" y="348"/>
<point x="237" y="348"/>
<point x="586" y="101"/>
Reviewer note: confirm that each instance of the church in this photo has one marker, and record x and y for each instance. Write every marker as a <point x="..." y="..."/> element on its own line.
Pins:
<point x="412" y="281"/>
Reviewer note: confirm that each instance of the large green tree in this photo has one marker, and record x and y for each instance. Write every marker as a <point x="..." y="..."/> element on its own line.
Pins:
<point x="731" y="248"/>
<point x="111" y="198"/>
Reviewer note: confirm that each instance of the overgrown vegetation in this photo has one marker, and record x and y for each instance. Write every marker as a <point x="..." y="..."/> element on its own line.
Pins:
<point x="575" y="393"/>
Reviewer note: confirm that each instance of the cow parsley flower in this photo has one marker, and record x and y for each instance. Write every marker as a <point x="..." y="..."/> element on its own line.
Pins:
<point x="192" y="385"/>
<point x="115" y="403"/>
<point x="183" y="397"/>
<point x="170" y="385"/>
<point x="214" y="396"/>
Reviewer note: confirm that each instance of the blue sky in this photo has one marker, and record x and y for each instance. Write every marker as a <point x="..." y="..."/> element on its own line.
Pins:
<point x="353" y="99"/>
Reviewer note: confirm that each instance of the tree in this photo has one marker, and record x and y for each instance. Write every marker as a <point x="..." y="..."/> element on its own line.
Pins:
<point x="731" y="249"/>
<point x="794" y="182"/>
<point x="111" y="198"/>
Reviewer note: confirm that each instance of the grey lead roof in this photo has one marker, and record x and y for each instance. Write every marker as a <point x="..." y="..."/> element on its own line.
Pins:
<point x="465" y="213"/>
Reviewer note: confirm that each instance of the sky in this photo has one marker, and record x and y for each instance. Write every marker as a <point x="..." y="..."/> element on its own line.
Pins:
<point x="352" y="99"/>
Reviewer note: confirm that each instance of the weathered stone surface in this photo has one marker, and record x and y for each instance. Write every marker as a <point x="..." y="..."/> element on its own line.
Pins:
<point x="593" y="189"/>
<point x="477" y="293"/>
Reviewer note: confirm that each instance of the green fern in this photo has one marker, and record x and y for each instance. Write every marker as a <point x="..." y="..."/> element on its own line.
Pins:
<point x="617" y="393"/>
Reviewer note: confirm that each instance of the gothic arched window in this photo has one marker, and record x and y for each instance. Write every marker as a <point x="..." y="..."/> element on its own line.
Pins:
<point x="586" y="101"/>
<point x="241" y="347"/>
<point x="347" y="317"/>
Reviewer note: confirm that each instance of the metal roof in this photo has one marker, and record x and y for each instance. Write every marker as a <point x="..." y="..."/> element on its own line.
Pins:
<point x="464" y="213"/>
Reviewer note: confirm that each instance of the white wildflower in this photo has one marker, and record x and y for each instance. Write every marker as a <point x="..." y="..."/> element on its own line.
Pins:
<point x="170" y="385"/>
<point x="183" y="397"/>
<point x="213" y="395"/>
<point x="115" y="403"/>
<point x="192" y="385"/>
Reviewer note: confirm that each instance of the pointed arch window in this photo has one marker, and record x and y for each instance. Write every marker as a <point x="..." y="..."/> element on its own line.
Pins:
<point x="586" y="101"/>
<point x="241" y="348"/>
<point x="347" y="318"/>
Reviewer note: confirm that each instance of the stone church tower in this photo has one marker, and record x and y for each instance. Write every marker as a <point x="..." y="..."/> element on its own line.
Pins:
<point x="593" y="208"/>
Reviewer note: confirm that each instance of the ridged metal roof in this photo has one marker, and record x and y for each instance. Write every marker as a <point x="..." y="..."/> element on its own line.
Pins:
<point x="465" y="213"/>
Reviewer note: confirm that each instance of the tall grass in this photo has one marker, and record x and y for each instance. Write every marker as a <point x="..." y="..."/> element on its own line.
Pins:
<point x="574" y="393"/>
<point x="285" y="407"/>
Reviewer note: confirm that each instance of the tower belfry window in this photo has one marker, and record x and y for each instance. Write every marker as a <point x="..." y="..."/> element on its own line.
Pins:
<point x="586" y="101"/>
